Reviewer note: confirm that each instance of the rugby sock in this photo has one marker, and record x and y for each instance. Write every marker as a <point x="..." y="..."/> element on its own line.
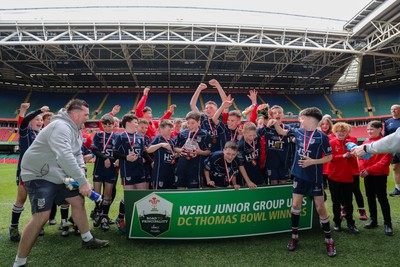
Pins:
<point x="106" y="207"/>
<point x="53" y="212"/>
<point x="86" y="237"/>
<point x="64" y="214"/>
<point x="16" y="213"/>
<point x="19" y="261"/>
<point x="121" y="214"/>
<point x="398" y="186"/>
<point x="326" y="227"/>
<point x="295" y="222"/>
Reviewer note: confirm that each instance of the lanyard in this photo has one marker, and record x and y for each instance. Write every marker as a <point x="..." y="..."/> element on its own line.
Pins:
<point x="131" y="144"/>
<point x="234" y="136"/>
<point x="307" y="144"/>
<point x="191" y="139"/>
<point x="228" y="177"/>
<point x="105" y="144"/>
<point x="253" y="146"/>
<point x="167" y="141"/>
<point x="281" y="136"/>
<point x="211" y="127"/>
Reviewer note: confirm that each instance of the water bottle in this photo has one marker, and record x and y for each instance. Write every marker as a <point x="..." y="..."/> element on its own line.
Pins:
<point x="351" y="145"/>
<point x="96" y="197"/>
<point x="73" y="185"/>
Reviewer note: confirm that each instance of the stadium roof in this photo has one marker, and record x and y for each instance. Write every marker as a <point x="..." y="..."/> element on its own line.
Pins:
<point x="125" y="46"/>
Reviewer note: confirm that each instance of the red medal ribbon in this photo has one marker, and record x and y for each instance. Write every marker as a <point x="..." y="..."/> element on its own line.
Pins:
<point x="307" y="144"/>
<point x="108" y="141"/>
<point x="229" y="178"/>
<point x="167" y="141"/>
<point x="131" y="144"/>
<point x="211" y="128"/>
<point x="234" y="136"/>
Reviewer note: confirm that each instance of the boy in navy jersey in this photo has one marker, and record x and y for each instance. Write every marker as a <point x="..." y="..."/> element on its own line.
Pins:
<point x="222" y="167"/>
<point x="129" y="149"/>
<point x="164" y="157"/>
<point x="28" y="130"/>
<point x="230" y="131"/>
<point x="211" y="107"/>
<point x="277" y="148"/>
<point x="193" y="144"/>
<point x="312" y="150"/>
<point x="104" y="171"/>
<point x="143" y="126"/>
<point x="249" y="155"/>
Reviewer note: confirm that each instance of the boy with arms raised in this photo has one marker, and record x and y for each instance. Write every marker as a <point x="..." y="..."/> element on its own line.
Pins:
<point x="211" y="107"/>
<point x="311" y="145"/>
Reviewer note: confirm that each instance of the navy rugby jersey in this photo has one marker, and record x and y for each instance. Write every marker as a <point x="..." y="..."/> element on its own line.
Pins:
<point x="103" y="145"/>
<point x="125" y="146"/>
<point x="391" y="125"/>
<point x="163" y="159"/>
<point x="317" y="146"/>
<point x="249" y="158"/>
<point x="215" y="164"/>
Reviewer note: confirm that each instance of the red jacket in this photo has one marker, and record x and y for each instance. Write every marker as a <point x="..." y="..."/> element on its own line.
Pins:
<point x="325" y="167"/>
<point x="356" y="170"/>
<point x="377" y="164"/>
<point x="153" y="124"/>
<point x="340" y="168"/>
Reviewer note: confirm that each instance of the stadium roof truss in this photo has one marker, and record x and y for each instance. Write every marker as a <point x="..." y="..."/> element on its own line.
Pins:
<point x="126" y="56"/>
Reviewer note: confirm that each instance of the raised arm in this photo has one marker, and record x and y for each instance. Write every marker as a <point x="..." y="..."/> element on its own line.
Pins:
<point x="218" y="86"/>
<point x="32" y="115"/>
<point x="226" y="104"/>
<point x="195" y="96"/>
<point x="142" y="103"/>
<point x="253" y="97"/>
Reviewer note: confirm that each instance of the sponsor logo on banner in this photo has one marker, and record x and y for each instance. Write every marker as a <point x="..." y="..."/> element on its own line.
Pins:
<point x="154" y="214"/>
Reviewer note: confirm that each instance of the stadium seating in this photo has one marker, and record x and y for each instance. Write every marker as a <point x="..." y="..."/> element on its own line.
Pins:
<point x="10" y="101"/>
<point x="54" y="101"/>
<point x="280" y="100"/>
<point x="315" y="100"/>
<point x="351" y="104"/>
<point x="5" y="134"/>
<point x="383" y="98"/>
<point x="182" y="102"/>
<point x="125" y="100"/>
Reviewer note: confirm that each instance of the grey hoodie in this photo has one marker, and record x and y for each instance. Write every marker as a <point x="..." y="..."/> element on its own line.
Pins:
<point x="55" y="153"/>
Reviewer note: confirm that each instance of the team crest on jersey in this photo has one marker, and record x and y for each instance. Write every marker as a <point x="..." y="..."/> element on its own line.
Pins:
<point x="128" y="178"/>
<point x="41" y="202"/>
<point x="295" y="184"/>
<point x="160" y="184"/>
<point x="154" y="214"/>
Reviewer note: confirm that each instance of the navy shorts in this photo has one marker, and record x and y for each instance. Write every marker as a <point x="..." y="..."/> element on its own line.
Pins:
<point x="279" y="174"/>
<point x="107" y="179"/>
<point x="395" y="158"/>
<point x="42" y="194"/>
<point x="302" y="187"/>
<point x="134" y="180"/>
<point x="188" y="176"/>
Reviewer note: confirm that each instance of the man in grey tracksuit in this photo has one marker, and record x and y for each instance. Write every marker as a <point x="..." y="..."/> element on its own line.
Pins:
<point x="54" y="155"/>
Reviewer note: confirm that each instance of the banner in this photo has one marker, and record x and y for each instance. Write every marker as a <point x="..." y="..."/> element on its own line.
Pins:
<point x="218" y="213"/>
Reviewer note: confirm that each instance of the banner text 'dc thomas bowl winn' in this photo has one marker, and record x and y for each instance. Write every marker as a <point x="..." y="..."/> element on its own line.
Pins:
<point x="218" y="213"/>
